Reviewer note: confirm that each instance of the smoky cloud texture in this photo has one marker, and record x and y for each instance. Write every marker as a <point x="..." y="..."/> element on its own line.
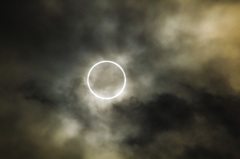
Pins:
<point x="181" y="59"/>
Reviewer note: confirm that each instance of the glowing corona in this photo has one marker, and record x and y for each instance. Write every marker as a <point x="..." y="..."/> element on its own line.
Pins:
<point x="111" y="97"/>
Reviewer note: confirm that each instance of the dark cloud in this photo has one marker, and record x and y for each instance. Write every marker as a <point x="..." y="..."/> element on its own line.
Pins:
<point x="222" y="110"/>
<point x="173" y="127"/>
<point x="201" y="152"/>
<point x="164" y="113"/>
<point x="181" y="61"/>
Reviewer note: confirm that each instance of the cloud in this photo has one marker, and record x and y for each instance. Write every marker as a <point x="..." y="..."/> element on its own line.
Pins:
<point x="181" y="61"/>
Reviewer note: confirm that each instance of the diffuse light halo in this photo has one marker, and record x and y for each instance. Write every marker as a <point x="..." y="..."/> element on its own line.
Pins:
<point x="99" y="96"/>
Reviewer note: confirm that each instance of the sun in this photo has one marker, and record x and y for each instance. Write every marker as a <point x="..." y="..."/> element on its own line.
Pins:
<point x="109" y="97"/>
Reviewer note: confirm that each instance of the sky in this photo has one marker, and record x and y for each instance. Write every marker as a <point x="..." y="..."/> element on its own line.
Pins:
<point x="181" y="59"/>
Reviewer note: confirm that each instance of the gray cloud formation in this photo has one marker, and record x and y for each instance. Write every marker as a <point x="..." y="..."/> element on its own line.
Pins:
<point x="181" y="60"/>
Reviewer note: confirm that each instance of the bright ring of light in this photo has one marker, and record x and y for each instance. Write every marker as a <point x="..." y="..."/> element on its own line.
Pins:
<point x="95" y="94"/>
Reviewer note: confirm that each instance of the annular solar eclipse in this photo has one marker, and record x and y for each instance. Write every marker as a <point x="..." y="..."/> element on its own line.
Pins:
<point x="114" y="95"/>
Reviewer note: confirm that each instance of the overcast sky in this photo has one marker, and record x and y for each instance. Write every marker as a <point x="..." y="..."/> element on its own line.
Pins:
<point x="181" y="59"/>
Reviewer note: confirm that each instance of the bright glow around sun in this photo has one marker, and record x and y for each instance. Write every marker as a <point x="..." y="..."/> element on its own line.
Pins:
<point x="109" y="97"/>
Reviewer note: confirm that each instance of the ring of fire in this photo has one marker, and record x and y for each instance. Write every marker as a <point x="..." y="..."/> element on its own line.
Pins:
<point x="99" y="96"/>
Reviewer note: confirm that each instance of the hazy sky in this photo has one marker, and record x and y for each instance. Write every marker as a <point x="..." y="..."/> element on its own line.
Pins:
<point x="181" y="59"/>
